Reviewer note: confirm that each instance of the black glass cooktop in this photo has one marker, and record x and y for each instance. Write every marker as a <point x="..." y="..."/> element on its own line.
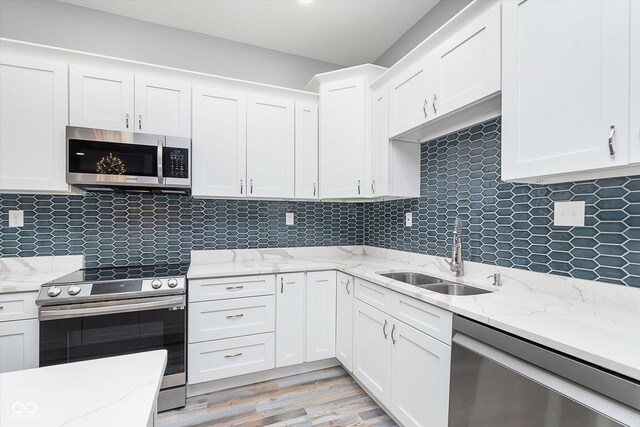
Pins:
<point x="91" y="275"/>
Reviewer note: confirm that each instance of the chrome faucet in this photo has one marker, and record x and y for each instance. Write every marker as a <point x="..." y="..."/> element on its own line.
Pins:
<point x="455" y="265"/>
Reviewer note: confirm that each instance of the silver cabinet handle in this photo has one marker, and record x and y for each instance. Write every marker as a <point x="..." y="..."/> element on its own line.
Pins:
<point x="384" y="329"/>
<point x="393" y="330"/>
<point x="314" y="189"/>
<point x="435" y="98"/>
<point x="1" y="307"/>
<point x="231" y="356"/>
<point x="373" y="182"/>
<point x="358" y="186"/>
<point x="282" y="285"/>
<point x="234" y="288"/>
<point x="241" y="186"/>
<point x="424" y="108"/>
<point x="347" y="287"/>
<point x="251" y="186"/>
<point x="612" y="132"/>
<point x="235" y="316"/>
<point x="140" y="121"/>
<point x="126" y="120"/>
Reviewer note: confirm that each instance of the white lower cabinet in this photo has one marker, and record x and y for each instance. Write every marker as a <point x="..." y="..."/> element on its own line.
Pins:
<point x="420" y="368"/>
<point x="19" y="332"/>
<point x="321" y="315"/>
<point x="371" y="351"/>
<point x="214" y="360"/>
<point x="344" y="319"/>
<point x="290" y="311"/>
<point x="405" y="368"/>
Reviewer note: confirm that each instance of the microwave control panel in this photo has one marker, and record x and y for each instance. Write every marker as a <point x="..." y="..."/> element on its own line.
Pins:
<point x="175" y="163"/>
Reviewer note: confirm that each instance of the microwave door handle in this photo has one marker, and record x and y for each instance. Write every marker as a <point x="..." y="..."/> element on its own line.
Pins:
<point x="160" y="154"/>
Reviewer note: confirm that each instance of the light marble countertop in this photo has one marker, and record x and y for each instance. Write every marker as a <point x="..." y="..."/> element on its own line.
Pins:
<point x="113" y="391"/>
<point x="27" y="274"/>
<point x="605" y="336"/>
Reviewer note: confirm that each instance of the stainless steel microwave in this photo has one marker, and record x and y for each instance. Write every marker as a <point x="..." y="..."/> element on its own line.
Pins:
<point x="112" y="160"/>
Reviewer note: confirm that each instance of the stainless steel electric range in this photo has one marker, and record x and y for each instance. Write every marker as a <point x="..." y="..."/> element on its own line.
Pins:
<point x="102" y="312"/>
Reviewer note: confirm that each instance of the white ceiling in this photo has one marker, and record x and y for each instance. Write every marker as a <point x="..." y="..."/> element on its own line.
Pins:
<point x="344" y="32"/>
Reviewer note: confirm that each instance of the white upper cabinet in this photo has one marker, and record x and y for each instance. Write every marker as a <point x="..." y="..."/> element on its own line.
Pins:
<point x="219" y="143"/>
<point x="321" y="315"/>
<point x="163" y="107"/>
<point x="290" y="318"/>
<point x="565" y="89"/>
<point x="379" y="185"/>
<point x="101" y="99"/>
<point x="634" y="138"/>
<point x="107" y="99"/>
<point x="33" y="116"/>
<point x="466" y="67"/>
<point x="344" y="319"/>
<point x="342" y="138"/>
<point x="408" y="97"/>
<point x="270" y="147"/>
<point x="306" y="163"/>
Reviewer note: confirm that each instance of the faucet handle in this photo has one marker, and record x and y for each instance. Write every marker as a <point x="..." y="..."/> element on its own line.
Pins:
<point x="496" y="279"/>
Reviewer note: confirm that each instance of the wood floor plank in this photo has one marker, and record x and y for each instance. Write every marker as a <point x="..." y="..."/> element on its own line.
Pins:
<point x="327" y="397"/>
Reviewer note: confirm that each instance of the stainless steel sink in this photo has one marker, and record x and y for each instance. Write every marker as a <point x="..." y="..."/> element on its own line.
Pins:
<point x="415" y="279"/>
<point x="455" y="289"/>
<point x="434" y="284"/>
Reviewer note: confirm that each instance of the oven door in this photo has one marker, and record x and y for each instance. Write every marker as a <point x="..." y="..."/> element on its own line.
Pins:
<point x="75" y="332"/>
<point x="103" y="157"/>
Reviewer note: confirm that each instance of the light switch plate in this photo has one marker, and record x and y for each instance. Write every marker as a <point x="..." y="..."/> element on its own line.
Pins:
<point x="16" y="218"/>
<point x="408" y="219"/>
<point x="289" y="218"/>
<point x="568" y="214"/>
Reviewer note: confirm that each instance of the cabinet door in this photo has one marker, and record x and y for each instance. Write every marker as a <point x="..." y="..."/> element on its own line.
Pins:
<point x="19" y="345"/>
<point x="163" y="107"/>
<point x="306" y="166"/>
<point x="408" y="98"/>
<point x="344" y="320"/>
<point x="100" y="98"/>
<point x="33" y="116"/>
<point x="565" y="87"/>
<point x="372" y="350"/>
<point x="342" y="138"/>
<point x="321" y="315"/>
<point x="270" y="147"/>
<point x="379" y="185"/>
<point x="290" y="312"/>
<point x="420" y="367"/>
<point x="634" y="138"/>
<point x="219" y="143"/>
<point x="466" y="67"/>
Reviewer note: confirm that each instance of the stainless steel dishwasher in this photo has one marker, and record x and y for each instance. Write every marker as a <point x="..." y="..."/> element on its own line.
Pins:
<point x="500" y="380"/>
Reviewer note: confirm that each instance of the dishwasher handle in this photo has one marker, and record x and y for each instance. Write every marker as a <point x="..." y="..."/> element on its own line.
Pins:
<point x="580" y="394"/>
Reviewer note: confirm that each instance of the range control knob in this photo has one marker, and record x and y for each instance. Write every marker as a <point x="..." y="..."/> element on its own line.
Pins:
<point x="53" y="291"/>
<point x="74" y="289"/>
<point x="156" y="284"/>
<point x="172" y="283"/>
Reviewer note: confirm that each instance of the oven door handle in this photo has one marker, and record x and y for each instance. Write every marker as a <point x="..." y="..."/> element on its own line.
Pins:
<point x="109" y="307"/>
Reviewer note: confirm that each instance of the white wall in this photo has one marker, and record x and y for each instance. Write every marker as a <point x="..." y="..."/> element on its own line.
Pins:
<point x="68" y="26"/>
<point x="434" y="19"/>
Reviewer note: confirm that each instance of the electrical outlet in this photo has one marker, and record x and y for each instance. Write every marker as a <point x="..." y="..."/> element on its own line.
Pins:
<point x="408" y="219"/>
<point x="568" y="214"/>
<point x="16" y="218"/>
<point x="289" y="218"/>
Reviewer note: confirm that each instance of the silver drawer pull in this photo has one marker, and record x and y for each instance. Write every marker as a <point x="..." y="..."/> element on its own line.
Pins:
<point x="1" y="307"/>
<point x="235" y="316"/>
<point x="235" y="288"/>
<point x="231" y="356"/>
<point x="384" y="329"/>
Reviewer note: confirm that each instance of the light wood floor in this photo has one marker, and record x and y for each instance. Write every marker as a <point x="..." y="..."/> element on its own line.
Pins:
<point x="328" y="397"/>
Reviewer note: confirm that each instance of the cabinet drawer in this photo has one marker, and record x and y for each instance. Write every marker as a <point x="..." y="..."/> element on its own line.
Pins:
<point x="213" y="360"/>
<point x="425" y="317"/>
<point x="231" y="287"/>
<point x="374" y="295"/>
<point x="18" y="306"/>
<point x="212" y="320"/>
